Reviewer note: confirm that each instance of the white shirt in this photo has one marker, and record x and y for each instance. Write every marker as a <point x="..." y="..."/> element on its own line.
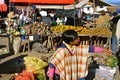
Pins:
<point x="21" y="16"/>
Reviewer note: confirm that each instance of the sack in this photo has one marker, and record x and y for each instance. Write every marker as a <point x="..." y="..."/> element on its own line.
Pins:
<point x="105" y="73"/>
<point x="117" y="75"/>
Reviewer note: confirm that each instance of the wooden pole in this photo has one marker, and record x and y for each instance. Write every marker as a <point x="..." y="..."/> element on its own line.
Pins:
<point x="74" y="13"/>
<point x="93" y="12"/>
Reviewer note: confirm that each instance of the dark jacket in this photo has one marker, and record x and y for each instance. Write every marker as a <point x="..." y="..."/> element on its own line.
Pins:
<point x="114" y="22"/>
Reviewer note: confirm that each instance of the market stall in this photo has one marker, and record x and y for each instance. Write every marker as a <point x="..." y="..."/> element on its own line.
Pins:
<point x="44" y="36"/>
<point x="29" y="32"/>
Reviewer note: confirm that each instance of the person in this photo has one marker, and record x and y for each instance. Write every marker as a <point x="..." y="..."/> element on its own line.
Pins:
<point x="1" y="20"/>
<point x="115" y="31"/>
<point x="21" y="18"/>
<point x="69" y="62"/>
<point x="11" y="17"/>
<point x="38" y="15"/>
<point x="52" y="15"/>
<point x="47" y="20"/>
<point x="102" y="19"/>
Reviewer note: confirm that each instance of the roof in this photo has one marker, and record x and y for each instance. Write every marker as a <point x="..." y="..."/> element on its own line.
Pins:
<point x="97" y="3"/>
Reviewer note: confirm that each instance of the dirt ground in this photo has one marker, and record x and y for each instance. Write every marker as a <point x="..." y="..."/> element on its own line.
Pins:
<point x="7" y="60"/>
<point x="3" y="45"/>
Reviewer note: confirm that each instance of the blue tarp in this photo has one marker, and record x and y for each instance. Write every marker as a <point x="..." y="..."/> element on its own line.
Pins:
<point x="114" y="2"/>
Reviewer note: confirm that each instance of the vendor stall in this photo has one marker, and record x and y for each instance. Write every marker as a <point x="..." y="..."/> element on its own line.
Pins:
<point x="39" y="37"/>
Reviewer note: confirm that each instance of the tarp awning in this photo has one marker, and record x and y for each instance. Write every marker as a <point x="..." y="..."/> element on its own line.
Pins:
<point x="24" y="8"/>
<point x="44" y="1"/>
<point x="55" y="6"/>
<point x="96" y="2"/>
<point x="80" y="4"/>
<point x="99" y="3"/>
<point x="114" y="2"/>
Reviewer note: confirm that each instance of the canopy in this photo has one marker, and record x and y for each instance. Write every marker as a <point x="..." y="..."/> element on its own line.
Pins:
<point x="44" y="1"/>
<point x="55" y="6"/>
<point x="114" y="2"/>
<point x="96" y="2"/>
<point x="80" y="4"/>
<point x="100" y="3"/>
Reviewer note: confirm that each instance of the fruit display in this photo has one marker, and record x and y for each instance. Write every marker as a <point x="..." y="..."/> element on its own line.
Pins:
<point x="62" y="28"/>
<point x="98" y="31"/>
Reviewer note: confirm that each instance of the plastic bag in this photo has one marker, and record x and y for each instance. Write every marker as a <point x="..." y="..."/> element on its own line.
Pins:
<point x="25" y="75"/>
<point x="105" y="73"/>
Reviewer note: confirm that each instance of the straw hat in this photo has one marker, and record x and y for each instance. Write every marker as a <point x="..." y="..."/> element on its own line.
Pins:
<point x="11" y="15"/>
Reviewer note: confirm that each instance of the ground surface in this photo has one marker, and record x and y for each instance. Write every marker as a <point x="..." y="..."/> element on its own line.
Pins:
<point x="7" y="59"/>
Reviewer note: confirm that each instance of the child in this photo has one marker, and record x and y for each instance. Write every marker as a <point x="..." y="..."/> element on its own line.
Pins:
<point x="69" y="62"/>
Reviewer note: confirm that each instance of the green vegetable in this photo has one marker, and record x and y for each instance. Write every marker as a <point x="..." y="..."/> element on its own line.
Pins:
<point x="112" y="61"/>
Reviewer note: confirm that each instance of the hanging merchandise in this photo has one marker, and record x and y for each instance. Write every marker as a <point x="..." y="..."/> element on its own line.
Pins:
<point x="3" y="6"/>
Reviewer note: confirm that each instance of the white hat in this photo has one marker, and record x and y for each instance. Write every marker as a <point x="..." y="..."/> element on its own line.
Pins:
<point x="11" y="15"/>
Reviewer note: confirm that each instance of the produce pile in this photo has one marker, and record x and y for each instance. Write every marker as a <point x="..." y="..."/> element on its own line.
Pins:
<point x="36" y="66"/>
<point x="106" y="59"/>
<point x="62" y="28"/>
<point x="101" y="31"/>
<point x="39" y="29"/>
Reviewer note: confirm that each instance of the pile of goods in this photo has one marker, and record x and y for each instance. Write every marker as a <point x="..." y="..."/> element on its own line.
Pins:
<point x="104" y="65"/>
<point x="105" y="59"/>
<point x="39" y="29"/>
<point x="101" y="31"/>
<point x="38" y="47"/>
<point x="35" y="69"/>
<point x="62" y="28"/>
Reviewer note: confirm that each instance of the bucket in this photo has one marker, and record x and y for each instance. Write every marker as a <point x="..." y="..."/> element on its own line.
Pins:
<point x="23" y="37"/>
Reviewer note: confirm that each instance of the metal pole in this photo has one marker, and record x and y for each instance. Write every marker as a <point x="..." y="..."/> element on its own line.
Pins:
<point x="74" y="13"/>
<point x="93" y="12"/>
<point x="9" y="6"/>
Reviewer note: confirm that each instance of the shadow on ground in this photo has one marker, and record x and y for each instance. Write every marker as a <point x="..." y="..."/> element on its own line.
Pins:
<point x="2" y="56"/>
<point x="2" y="46"/>
<point x="7" y="65"/>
